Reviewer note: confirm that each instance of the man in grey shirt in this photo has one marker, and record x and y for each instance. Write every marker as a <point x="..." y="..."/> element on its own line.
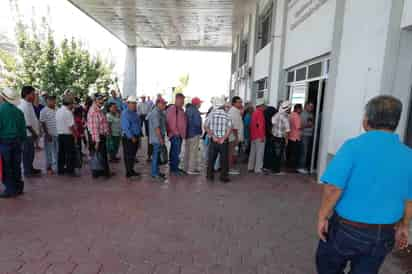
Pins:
<point x="307" y="137"/>
<point x="157" y="132"/>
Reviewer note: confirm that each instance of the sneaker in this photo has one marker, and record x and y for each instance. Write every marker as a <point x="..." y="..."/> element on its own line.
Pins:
<point x="302" y="171"/>
<point x="225" y="180"/>
<point x="234" y="172"/>
<point x="195" y="172"/>
<point x="279" y="173"/>
<point x="158" y="179"/>
<point x="182" y="172"/>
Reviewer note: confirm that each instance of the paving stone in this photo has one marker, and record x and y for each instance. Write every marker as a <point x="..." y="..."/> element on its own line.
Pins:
<point x="254" y="225"/>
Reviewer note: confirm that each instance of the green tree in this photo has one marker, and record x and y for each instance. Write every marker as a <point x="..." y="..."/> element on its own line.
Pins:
<point x="55" y="68"/>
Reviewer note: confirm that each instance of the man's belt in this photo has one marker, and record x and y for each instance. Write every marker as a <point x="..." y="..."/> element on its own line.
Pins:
<point x="363" y="225"/>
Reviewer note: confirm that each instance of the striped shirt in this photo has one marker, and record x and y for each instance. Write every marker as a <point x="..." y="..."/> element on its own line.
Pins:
<point x="48" y="117"/>
<point x="219" y="123"/>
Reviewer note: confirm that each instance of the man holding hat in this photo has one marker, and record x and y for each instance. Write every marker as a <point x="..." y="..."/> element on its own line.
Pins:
<point x="194" y="131"/>
<point x="12" y="134"/>
<point x="131" y="130"/>
<point x="99" y="129"/>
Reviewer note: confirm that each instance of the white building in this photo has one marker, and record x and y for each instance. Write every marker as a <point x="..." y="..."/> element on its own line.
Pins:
<point x="335" y="53"/>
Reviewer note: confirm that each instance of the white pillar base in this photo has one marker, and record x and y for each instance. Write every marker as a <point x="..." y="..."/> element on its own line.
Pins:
<point x="130" y="73"/>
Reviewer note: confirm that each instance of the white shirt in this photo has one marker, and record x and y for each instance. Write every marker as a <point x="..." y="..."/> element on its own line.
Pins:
<point x="30" y="117"/>
<point x="143" y="108"/>
<point x="237" y="122"/>
<point x="48" y="117"/>
<point x="64" y="120"/>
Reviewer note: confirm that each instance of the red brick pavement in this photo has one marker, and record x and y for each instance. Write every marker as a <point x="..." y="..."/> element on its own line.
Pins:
<point x="254" y="225"/>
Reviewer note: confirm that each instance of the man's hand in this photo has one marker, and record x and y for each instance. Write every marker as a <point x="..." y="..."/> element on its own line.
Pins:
<point x="323" y="229"/>
<point x="49" y="138"/>
<point x="162" y="141"/>
<point x="96" y="146"/>
<point x="402" y="236"/>
<point x="134" y="140"/>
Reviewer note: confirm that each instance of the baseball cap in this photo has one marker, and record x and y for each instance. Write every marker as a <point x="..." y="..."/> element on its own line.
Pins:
<point x="196" y="101"/>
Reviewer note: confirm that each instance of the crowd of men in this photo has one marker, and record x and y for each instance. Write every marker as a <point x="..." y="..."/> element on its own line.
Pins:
<point x="367" y="203"/>
<point x="104" y="124"/>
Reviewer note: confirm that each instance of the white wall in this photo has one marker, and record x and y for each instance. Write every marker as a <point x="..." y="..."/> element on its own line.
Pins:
<point x="262" y="63"/>
<point x="313" y="37"/>
<point x="407" y="14"/>
<point x="360" y="68"/>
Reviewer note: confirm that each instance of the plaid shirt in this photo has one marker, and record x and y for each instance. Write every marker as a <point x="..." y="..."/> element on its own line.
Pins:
<point x="219" y="122"/>
<point x="97" y="123"/>
<point x="281" y="124"/>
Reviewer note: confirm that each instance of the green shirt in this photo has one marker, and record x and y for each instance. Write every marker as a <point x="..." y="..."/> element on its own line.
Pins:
<point x="12" y="123"/>
<point x="114" y="124"/>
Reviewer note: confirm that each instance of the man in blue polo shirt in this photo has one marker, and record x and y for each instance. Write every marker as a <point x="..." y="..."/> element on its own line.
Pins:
<point x="367" y="202"/>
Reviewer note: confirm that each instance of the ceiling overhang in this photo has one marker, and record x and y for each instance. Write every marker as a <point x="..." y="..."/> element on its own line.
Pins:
<point x="175" y="24"/>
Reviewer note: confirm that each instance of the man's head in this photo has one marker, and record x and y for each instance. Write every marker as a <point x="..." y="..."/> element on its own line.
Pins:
<point x="113" y="93"/>
<point x="132" y="103"/>
<point x="179" y="100"/>
<point x="309" y="107"/>
<point x="382" y="113"/>
<point x="161" y="104"/>
<point x="51" y="101"/>
<point x="285" y="107"/>
<point x="237" y="102"/>
<point x="197" y="102"/>
<point x="68" y="101"/>
<point x="99" y="100"/>
<point x="28" y="93"/>
<point x="298" y="108"/>
<point x="143" y="98"/>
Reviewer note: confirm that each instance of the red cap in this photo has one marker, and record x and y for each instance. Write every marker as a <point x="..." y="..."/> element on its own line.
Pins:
<point x="161" y="101"/>
<point x="196" y="101"/>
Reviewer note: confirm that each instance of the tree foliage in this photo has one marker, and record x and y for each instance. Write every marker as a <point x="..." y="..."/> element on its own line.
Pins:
<point x="54" y="68"/>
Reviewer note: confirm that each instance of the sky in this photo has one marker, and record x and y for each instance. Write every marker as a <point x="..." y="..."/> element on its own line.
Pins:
<point x="158" y="69"/>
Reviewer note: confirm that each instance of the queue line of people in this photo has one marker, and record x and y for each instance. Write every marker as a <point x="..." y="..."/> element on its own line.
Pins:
<point x="105" y="125"/>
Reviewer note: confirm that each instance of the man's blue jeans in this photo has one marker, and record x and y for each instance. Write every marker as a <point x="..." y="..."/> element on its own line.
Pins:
<point x="175" y="149"/>
<point x="364" y="248"/>
<point x="50" y="150"/>
<point x="155" y="160"/>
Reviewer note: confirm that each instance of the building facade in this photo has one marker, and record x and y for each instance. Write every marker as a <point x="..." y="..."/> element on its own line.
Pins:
<point x="336" y="54"/>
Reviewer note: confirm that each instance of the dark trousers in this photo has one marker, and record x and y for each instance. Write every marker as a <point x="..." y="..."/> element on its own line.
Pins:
<point x="28" y="155"/>
<point x="103" y="156"/>
<point x="175" y="150"/>
<point x="364" y="248"/>
<point x="129" y="154"/>
<point x="145" y="123"/>
<point x="221" y="150"/>
<point x="66" y="154"/>
<point x="10" y="152"/>
<point x="274" y="149"/>
<point x="293" y="154"/>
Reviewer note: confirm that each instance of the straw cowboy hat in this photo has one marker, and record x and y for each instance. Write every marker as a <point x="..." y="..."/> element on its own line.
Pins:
<point x="10" y="96"/>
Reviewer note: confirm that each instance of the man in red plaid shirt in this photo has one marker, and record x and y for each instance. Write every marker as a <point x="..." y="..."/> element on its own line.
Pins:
<point x="99" y="129"/>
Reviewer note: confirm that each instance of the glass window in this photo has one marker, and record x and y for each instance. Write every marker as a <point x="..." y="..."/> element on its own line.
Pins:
<point x="315" y="70"/>
<point x="291" y="76"/>
<point x="265" y="28"/>
<point x="301" y="74"/>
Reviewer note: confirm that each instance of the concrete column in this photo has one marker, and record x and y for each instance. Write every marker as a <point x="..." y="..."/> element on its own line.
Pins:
<point x="130" y="73"/>
<point x="369" y="54"/>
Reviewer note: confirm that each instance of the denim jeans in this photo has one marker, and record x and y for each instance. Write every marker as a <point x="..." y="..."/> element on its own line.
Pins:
<point x="155" y="159"/>
<point x="28" y="155"/>
<point x="10" y="151"/>
<point x="50" y="150"/>
<point x="364" y="248"/>
<point x="175" y="149"/>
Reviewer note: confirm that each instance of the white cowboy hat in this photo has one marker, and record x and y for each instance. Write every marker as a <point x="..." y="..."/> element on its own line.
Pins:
<point x="131" y="99"/>
<point x="10" y="95"/>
